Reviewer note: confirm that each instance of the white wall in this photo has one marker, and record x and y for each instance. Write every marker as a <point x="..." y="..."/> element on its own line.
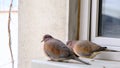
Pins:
<point x="36" y="18"/>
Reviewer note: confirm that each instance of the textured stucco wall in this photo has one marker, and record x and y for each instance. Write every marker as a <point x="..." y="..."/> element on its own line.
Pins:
<point x="36" y="18"/>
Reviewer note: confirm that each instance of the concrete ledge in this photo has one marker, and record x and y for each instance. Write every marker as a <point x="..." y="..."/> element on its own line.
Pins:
<point x="109" y="60"/>
<point x="95" y="64"/>
<point x="50" y="64"/>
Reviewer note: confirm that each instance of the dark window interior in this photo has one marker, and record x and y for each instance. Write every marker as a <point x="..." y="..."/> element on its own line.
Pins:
<point x="109" y="18"/>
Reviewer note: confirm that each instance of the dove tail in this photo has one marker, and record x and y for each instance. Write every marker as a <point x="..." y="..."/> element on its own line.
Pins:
<point x="111" y="50"/>
<point x="77" y="59"/>
<point x="100" y="49"/>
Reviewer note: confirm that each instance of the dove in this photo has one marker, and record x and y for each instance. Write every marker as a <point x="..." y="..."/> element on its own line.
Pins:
<point x="85" y="48"/>
<point x="56" y="50"/>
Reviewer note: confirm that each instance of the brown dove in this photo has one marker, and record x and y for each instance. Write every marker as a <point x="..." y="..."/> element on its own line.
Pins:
<point x="85" y="48"/>
<point x="57" y="50"/>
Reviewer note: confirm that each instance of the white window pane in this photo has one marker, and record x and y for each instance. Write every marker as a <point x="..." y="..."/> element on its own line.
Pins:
<point x="5" y="58"/>
<point x="14" y="35"/>
<point x="4" y="49"/>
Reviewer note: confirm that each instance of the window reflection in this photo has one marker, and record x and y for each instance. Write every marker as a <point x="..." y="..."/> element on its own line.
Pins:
<point x="109" y="18"/>
<point x="4" y="5"/>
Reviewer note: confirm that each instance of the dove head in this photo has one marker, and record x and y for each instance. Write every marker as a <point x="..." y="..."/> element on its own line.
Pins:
<point x="46" y="37"/>
<point x="69" y="44"/>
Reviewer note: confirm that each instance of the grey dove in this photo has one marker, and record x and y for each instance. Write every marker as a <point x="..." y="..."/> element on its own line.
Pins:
<point x="86" y="48"/>
<point x="56" y="50"/>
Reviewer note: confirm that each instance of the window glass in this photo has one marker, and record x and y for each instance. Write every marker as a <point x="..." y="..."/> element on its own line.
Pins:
<point x="4" y="5"/>
<point x="5" y="57"/>
<point x="109" y="18"/>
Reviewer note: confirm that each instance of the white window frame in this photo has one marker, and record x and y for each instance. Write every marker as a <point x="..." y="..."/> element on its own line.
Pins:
<point x="84" y="20"/>
<point x="90" y="16"/>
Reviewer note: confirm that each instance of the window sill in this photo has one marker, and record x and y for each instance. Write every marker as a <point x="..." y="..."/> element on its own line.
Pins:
<point x="94" y="63"/>
<point x="114" y="62"/>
